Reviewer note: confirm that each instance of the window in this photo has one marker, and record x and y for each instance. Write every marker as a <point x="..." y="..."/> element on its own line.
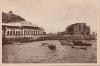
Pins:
<point x="79" y="28"/>
<point x="38" y="32"/>
<point x="28" y="32"/>
<point x="10" y="32"/>
<point x="81" y="32"/>
<point x="24" y="32"/>
<point x="7" y="32"/>
<point x="34" y="32"/>
<point x="18" y="32"/>
<point x="13" y="32"/>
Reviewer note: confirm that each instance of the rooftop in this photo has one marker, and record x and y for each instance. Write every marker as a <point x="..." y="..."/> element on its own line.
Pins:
<point x="21" y="23"/>
<point x="11" y="17"/>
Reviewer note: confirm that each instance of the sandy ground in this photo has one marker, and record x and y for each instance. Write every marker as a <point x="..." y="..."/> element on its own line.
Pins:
<point x="33" y="52"/>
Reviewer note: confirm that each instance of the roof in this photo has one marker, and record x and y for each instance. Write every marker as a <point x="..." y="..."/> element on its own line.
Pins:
<point x="22" y="23"/>
<point x="12" y="24"/>
<point x="10" y="17"/>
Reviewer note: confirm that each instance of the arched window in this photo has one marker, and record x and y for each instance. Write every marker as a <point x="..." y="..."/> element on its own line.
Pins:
<point x="38" y="32"/>
<point x="10" y="32"/>
<point x="24" y="32"/>
<point x="7" y="32"/>
<point x="18" y="32"/>
<point x="34" y="32"/>
<point x="28" y="32"/>
<point x="44" y="32"/>
<point x="13" y="32"/>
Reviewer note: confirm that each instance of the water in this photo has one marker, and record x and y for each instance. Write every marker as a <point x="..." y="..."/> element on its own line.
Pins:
<point x="34" y="52"/>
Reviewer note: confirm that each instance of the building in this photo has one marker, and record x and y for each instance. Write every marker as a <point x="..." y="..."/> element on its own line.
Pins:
<point x="78" y="29"/>
<point x="19" y="30"/>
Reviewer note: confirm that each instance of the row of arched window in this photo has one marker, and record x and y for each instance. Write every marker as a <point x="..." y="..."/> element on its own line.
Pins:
<point x="32" y="32"/>
<point x="14" y="33"/>
<point x="25" y="32"/>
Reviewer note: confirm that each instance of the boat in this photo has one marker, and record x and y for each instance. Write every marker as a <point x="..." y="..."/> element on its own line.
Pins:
<point x="79" y="47"/>
<point x="52" y="47"/>
<point x="44" y="44"/>
<point x="82" y="43"/>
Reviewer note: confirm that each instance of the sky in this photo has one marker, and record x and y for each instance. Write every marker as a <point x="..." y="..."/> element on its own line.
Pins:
<point x="54" y="15"/>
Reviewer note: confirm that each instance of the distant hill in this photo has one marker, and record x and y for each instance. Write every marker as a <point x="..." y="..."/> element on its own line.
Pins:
<point x="10" y="17"/>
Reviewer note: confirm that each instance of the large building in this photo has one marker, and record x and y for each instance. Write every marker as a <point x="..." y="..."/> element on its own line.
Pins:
<point x="78" y="29"/>
<point x="20" y="30"/>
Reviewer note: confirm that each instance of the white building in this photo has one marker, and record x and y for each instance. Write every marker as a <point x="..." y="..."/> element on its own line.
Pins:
<point x="21" y="29"/>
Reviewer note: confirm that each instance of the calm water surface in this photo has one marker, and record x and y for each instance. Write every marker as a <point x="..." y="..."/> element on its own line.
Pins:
<point x="34" y="52"/>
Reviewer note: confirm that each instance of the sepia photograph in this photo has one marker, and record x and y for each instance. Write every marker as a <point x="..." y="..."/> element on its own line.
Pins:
<point x="49" y="31"/>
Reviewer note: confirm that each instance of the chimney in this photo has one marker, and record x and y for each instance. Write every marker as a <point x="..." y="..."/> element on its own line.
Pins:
<point x="10" y="12"/>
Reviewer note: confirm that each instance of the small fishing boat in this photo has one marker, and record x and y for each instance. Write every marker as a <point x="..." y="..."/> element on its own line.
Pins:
<point x="79" y="47"/>
<point x="44" y="44"/>
<point x="52" y="47"/>
<point x="81" y="44"/>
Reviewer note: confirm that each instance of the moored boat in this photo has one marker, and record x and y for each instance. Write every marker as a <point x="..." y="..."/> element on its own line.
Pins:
<point x="82" y="43"/>
<point x="52" y="47"/>
<point x="79" y="47"/>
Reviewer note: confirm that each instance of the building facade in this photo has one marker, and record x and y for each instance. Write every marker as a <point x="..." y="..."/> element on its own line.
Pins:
<point x="78" y="29"/>
<point x="16" y="28"/>
<point x="21" y="31"/>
